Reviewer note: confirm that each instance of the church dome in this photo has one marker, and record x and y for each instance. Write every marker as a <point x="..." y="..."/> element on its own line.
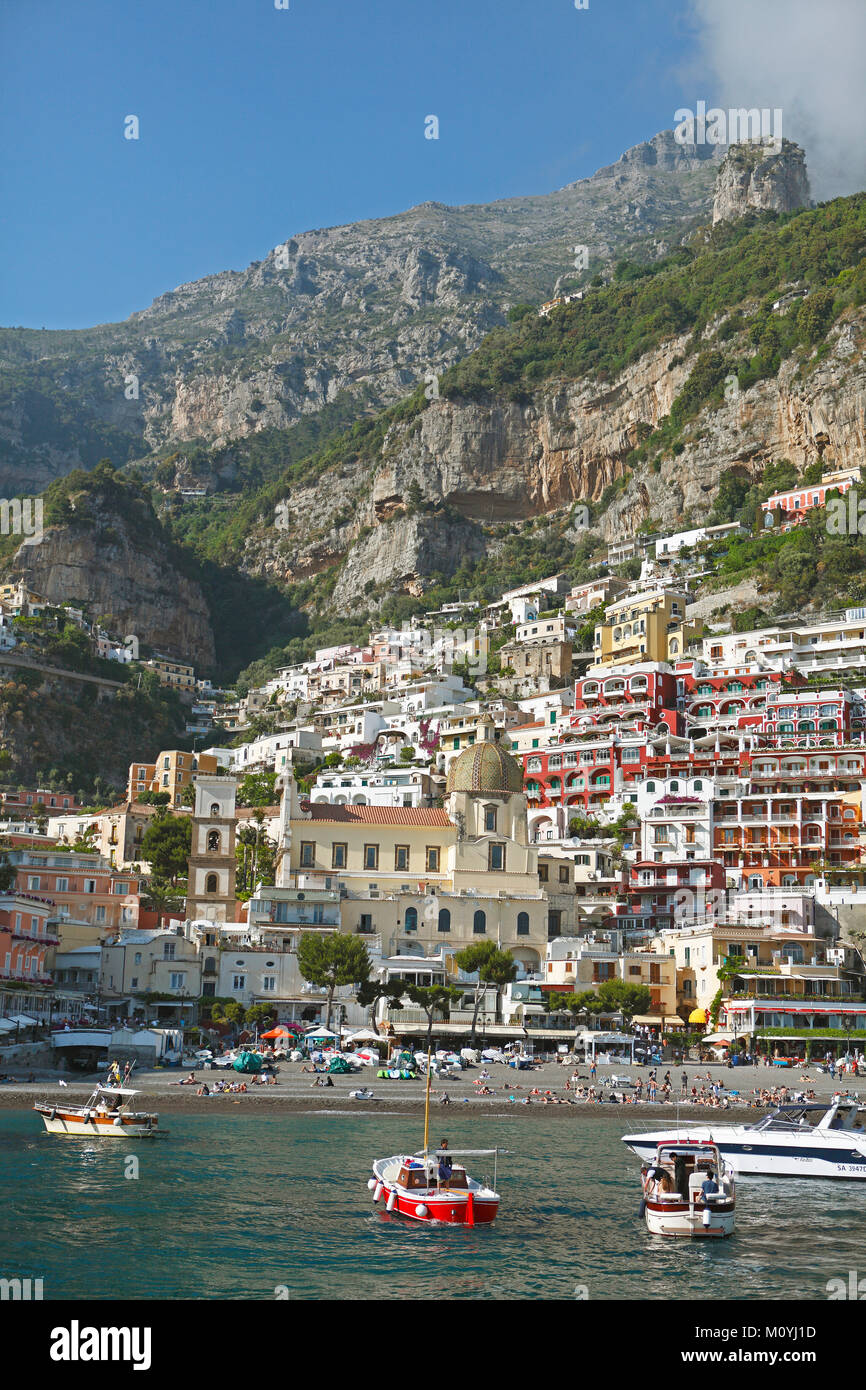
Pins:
<point x="485" y="767"/>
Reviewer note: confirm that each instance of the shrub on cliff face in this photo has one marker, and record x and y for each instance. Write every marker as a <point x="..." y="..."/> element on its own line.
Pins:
<point x="815" y="315"/>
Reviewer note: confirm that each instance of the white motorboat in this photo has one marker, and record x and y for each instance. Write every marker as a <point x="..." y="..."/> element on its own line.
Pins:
<point x="678" y="1195"/>
<point x="106" y="1115"/>
<point x="811" y="1140"/>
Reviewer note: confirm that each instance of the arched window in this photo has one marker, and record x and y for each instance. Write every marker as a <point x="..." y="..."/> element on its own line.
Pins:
<point x="674" y="646"/>
<point x="523" y="924"/>
<point x="479" y="923"/>
<point x="444" y="923"/>
<point x="215" y="808"/>
<point x="213" y="842"/>
<point x="411" y="919"/>
<point x="211" y="884"/>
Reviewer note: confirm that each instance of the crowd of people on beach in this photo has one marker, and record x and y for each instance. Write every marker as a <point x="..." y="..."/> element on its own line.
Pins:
<point x="226" y="1087"/>
<point x="616" y="1090"/>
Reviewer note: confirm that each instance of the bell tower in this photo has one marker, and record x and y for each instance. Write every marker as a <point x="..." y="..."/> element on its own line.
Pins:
<point x="212" y="864"/>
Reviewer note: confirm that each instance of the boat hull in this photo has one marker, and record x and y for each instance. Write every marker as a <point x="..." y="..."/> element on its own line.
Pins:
<point x="475" y="1206"/>
<point x="59" y="1121"/>
<point x="452" y="1209"/>
<point x="679" y="1219"/>
<point x="748" y="1155"/>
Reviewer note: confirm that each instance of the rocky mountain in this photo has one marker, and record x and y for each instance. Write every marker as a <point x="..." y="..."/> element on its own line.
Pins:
<point x="354" y="314"/>
<point x="743" y="347"/>
<point x="755" y="176"/>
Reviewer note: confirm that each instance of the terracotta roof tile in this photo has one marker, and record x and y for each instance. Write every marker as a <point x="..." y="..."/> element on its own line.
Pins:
<point x="381" y="815"/>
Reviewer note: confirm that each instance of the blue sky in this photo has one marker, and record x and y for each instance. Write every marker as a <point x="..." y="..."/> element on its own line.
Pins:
<point x="256" y="123"/>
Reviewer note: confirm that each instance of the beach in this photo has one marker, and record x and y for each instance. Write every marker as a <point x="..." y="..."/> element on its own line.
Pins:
<point x="296" y="1092"/>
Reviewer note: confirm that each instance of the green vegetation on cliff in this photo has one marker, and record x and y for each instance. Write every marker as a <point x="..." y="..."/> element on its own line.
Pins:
<point x="752" y="259"/>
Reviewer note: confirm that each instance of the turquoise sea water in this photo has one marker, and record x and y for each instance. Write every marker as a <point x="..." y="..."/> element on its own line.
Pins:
<point x="243" y="1207"/>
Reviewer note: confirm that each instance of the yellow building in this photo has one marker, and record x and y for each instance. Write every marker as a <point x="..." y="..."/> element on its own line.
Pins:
<point x="428" y="878"/>
<point x="172" y="772"/>
<point x="765" y="953"/>
<point x="461" y="731"/>
<point x="644" y="627"/>
<point x="575" y="965"/>
<point x="177" y="674"/>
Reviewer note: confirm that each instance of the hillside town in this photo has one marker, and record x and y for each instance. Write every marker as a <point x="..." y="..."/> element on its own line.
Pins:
<point x="650" y="830"/>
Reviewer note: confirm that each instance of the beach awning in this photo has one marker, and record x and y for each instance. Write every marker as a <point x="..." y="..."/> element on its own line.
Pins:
<point x="6" y="1026"/>
<point x="720" y="1037"/>
<point x="320" y="1033"/>
<point x="24" y="1019"/>
<point x="362" y="1035"/>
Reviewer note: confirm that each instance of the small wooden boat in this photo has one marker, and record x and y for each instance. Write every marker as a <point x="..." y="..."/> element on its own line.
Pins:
<point x="106" y="1114"/>
<point x="688" y="1190"/>
<point x="429" y="1187"/>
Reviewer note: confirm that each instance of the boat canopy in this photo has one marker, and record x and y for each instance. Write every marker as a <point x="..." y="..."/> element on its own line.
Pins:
<point x="116" y="1091"/>
<point x="465" y="1153"/>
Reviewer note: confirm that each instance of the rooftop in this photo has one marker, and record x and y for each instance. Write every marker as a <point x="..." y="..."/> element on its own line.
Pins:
<point x="379" y="815"/>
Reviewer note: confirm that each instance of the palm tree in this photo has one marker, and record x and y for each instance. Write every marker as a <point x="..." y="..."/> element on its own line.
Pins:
<point x="160" y="897"/>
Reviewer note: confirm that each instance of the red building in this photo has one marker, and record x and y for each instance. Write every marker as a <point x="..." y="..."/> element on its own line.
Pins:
<point x="21" y="802"/>
<point x="661" y="895"/>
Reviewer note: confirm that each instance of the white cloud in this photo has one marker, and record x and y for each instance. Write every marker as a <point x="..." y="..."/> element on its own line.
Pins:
<point x="805" y="56"/>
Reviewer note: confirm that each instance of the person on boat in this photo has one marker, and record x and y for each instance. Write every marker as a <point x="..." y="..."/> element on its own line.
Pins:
<point x="709" y="1187"/>
<point x="446" y="1163"/>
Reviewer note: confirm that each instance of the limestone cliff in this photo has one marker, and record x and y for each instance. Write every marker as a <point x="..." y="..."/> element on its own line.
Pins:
<point x="760" y="177"/>
<point x="496" y="461"/>
<point x="119" y="568"/>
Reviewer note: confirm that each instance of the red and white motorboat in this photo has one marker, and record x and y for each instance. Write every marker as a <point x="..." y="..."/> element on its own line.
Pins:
<point x="431" y="1187"/>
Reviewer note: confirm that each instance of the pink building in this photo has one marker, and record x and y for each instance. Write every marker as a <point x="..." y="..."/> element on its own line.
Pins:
<point x="25" y="939"/>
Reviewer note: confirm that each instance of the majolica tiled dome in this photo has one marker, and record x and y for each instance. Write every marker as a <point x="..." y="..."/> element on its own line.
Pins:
<point x="485" y="767"/>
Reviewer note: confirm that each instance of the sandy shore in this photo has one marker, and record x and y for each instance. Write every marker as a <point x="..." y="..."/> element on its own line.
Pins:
<point x="296" y="1093"/>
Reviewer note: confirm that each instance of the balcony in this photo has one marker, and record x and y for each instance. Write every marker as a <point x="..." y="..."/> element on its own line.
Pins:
<point x="24" y="934"/>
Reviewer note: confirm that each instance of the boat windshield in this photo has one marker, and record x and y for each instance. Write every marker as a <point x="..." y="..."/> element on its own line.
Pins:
<point x="792" y="1118"/>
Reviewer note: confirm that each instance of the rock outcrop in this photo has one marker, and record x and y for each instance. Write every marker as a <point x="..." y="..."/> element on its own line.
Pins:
<point x="106" y="565"/>
<point x="758" y="176"/>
